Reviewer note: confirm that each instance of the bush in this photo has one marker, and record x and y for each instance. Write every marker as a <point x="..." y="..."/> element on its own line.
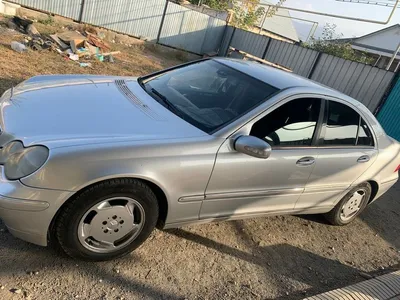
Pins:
<point x="332" y="43"/>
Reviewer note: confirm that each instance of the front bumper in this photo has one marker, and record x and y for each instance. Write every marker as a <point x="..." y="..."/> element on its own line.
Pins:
<point x="27" y="212"/>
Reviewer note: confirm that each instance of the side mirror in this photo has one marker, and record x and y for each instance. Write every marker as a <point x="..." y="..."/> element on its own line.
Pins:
<point x="252" y="146"/>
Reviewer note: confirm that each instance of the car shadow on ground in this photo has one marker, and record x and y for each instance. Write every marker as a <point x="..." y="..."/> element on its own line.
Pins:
<point x="321" y="274"/>
<point x="383" y="216"/>
<point x="309" y="266"/>
<point x="295" y="272"/>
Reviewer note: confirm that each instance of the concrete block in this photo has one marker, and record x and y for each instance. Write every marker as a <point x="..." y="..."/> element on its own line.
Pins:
<point x="8" y="8"/>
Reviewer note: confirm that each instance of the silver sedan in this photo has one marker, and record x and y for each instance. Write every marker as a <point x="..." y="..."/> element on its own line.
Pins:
<point x="94" y="163"/>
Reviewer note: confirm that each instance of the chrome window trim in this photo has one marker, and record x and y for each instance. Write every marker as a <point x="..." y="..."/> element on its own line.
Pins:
<point x="361" y="114"/>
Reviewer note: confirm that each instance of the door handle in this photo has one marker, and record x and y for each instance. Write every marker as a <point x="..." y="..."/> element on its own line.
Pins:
<point x="306" y="161"/>
<point x="363" y="159"/>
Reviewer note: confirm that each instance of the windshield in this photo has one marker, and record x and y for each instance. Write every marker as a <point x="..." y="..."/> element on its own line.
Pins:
<point x="207" y="94"/>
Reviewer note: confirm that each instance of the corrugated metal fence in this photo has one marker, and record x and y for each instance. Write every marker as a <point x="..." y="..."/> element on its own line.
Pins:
<point x="389" y="115"/>
<point x="250" y="42"/>
<point x="190" y="30"/>
<point x="141" y="18"/>
<point x="67" y="8"/>
<point x="298" y="59"/>
<point x="360" y="81"/>
<point x="363" y="82"/>
<point x="177" y="26"/>
<point x="156" y="20"/>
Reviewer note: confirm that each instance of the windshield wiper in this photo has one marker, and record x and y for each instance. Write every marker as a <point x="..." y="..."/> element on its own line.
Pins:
<point x="165" y="100"/>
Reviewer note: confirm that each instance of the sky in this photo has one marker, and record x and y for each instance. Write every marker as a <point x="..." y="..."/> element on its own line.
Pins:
<point x="346" y="27"/>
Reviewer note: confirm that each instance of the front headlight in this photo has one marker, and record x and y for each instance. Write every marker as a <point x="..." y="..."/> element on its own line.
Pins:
<point x="19" y="161"/>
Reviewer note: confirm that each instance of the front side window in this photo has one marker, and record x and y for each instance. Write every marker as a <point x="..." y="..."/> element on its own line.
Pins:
<point x="207" y="94"/>
<point x="345" y="127"/>
<point x="292" y="124"/>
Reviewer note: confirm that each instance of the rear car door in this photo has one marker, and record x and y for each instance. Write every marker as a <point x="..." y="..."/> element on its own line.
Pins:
<point x="242" y="185"/>
<point x="346" y="149"/>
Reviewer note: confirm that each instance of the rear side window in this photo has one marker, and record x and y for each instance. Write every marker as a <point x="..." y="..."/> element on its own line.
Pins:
<point x="364" y="135"/>
<point x="345" y="127"/>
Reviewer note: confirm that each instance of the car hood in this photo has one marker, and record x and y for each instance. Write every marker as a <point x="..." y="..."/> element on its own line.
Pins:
<point x="73" y="110"/>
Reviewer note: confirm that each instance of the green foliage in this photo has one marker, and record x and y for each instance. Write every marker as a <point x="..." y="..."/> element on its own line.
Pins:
<point x="273" y="10"/>
<point x="48" y="21"/>
<point x="246" y="13"/>
<point x="246" y="17"/>
<point x="215" y="4"/>
<point x="330" y="43"/>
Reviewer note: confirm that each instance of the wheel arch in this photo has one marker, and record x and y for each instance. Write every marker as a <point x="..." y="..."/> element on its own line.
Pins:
<point x="156" y="189"/>
<point x="374" y="191"/>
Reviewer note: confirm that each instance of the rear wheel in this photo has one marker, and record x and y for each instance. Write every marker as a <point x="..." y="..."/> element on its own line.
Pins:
<point x="350" y="206"/>
<point x="108" y="220"/>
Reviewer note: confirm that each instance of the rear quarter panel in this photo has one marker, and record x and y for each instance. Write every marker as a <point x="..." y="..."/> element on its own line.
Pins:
<point x="383" y="169"/>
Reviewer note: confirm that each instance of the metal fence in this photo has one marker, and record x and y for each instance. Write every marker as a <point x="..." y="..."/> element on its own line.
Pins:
<point x="389" y="115"/>
<point x="173" y="25"/>
<point x="67" y="8"/>
<point x="363" y="82"/>
<point x="298" y="59"/>
<point x="250" y="42"/>
<point x="187" y="29"/>
<point x="140" y="18"/>
<point x="160" y="21"/>
<point x="360" y="81"/>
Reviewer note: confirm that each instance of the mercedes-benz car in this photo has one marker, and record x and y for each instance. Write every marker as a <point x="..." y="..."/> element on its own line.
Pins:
<point x="94" y="163"/>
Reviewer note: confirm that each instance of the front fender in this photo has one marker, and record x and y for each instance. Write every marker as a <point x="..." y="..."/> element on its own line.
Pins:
<point x="178" y="168"/>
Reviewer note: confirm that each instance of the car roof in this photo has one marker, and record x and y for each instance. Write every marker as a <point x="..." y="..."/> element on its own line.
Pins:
<point x="273" y="76"/>
<point x="284" y="79"/>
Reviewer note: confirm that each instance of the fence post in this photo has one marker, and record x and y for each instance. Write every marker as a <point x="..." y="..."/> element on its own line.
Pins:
<point x="81" y="11"/>
<point x="386" y="95"/>
<point x="230" y="41"/>
<point x="222" y="39"/>
<point x="314" y="65"/>
<point x="266" y="48"/>
<point x="162" y="21"/>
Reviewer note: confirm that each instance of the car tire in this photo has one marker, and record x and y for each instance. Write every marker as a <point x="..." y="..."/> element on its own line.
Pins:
<point x="350" y="206"/>
<point x="125" y="200"/>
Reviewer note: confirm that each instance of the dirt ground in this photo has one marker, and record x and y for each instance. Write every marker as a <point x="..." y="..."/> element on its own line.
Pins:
<point x="285" y="257"/>
<point x="266" y="258"/>
<point x="136" y="58"/>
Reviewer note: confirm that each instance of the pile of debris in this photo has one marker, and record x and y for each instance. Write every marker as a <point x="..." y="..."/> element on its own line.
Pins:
<point x="72" y="45"/>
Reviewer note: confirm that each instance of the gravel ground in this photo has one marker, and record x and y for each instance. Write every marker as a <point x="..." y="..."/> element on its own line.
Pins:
<point x="285" y="257"/>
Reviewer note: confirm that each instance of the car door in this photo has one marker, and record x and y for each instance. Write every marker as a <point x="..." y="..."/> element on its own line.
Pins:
<point x="346" y="150"/>
<point x="243" y="185"/>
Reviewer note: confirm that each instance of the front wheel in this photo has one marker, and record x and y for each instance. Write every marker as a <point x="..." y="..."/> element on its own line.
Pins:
<point x="108" y="220"/>
<point x="350" y="206"/>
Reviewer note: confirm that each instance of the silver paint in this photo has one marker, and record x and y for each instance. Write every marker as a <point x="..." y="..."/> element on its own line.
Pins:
<point x="111" y="223"/>
<point x="96" y="131"/>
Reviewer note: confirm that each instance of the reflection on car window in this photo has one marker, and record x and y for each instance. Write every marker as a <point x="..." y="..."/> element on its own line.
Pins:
<point x="208" y="94"/>
<point x="292" y="124"/>
<point x="342" y="125"/>
<point x="204" y="78"/>
<point x="364" y="135"/>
